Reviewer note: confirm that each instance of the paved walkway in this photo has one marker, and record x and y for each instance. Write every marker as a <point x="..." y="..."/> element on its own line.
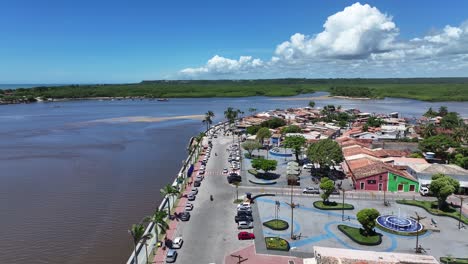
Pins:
<point x="170" y="233"/>
<point x="249" y="255"/>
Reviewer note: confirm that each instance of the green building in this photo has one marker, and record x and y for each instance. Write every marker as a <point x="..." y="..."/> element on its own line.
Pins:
<point x="402" y="182"/>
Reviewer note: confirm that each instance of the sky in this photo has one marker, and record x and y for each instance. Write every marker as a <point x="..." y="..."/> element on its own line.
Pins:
<point x="101" y="41"/>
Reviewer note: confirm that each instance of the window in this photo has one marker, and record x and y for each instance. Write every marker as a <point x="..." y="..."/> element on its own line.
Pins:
<point x="380" y="186"/>
<point x="380" y="177"/>
<point x="362" y="186"/>
<point x="412" y="188"/>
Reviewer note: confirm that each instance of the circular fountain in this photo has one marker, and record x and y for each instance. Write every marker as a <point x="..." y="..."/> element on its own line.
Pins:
<point x="399" y="224"/>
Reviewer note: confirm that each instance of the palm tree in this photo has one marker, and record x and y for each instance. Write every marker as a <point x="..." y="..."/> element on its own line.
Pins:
<point x="138" y="234"/>
<point x="208" y="119"/>
<point x="228" y="113"/>
<point x="169" y="190"/>
<point x="159" y="220"/>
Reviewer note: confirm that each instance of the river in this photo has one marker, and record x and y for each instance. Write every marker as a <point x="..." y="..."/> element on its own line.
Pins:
<point x="73" y="178"/>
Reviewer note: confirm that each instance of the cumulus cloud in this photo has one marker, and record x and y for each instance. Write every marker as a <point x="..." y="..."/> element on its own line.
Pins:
<point x="359" y="41"/>
<point x="356" y="32"/>
<point x="220" y="65"/>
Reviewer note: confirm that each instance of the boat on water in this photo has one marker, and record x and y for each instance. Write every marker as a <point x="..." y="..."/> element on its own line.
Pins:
<point x="163" y="99"/>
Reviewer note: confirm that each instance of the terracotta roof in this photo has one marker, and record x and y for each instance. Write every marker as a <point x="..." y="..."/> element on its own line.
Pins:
<point x="378" y="168"/>
<point x="379" y="153"/>
<point x="359" y="163"/>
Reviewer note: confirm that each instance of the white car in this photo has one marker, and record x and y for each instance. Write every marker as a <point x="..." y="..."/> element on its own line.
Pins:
<point x="308" y="166"/>
<point x="244" y="209"/>
<point x="188" y="207"/>
<point x="244" y="205"/>
<point x="225" y="170"/>
<point x="245" y="225"/>
<point x="177" y="242"/>
<point x="200" y="177"/>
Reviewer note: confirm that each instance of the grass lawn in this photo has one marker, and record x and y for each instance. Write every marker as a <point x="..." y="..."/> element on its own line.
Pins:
<point x="276" y="243"/>
<point x="450" y="260"/>
<point x="238" y="201"/>
<point x="355" y="234"/>
<point x="431" y="207"/>
<point x="276" y="224"/>
<point x="332" y="206"/>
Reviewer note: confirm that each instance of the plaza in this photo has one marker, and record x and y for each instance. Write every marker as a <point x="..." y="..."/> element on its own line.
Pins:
<point x="315" y="227"/>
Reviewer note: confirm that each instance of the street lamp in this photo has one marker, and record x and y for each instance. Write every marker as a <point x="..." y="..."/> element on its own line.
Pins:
<point x="461" y="206"/>
<point x="292" y="205"/>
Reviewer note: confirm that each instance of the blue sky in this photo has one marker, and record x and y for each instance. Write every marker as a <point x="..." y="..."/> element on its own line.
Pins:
<point x="64" y="41"/>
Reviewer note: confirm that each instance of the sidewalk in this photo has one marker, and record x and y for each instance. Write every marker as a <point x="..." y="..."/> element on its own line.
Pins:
<point x="170" y="233"/>
<point x="248" y="255"/>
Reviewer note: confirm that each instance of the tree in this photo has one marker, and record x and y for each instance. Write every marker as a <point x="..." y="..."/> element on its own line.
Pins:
<point x="252" y="130"/>
<point x="208" y="120"/>
<point x="437" y="144"/>
<point x="231" y="114"/>
<point x="311" y="104"/>
<point x="264" y="164"/>
<point x="429" y="130"/>
<point x="367" y="219"/>
<point x="291" y="129"/>
<point x="159" y="219"/>
<point x="443" y="111"/>
<point x="325" y="152"/>
<point x="263" y="133"/>
<point x="295" y="143"/>
<point x="365" y="128"/>
<point x="373" y="121"/>
<point x="169" y="190"/>
<point x="461" y="161"/>
<point x="275" y="122"/>
<point x="328" y="186"/>
<point x="451" y="120"/>
<point x="442" y="186"/>
<point x="430" y="113"/>
<point x="138" y="234"/>
<point x="252" y="110"/>
<point x="250" y="146"/>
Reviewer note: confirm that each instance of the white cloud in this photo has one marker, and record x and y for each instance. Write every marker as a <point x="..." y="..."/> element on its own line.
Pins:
<point x="356" y="32"/>
<point x="220" y="65"/>
<point x="359" y="41"/>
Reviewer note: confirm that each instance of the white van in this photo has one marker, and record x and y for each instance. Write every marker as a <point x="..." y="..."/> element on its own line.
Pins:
<point x="423" y="190"/>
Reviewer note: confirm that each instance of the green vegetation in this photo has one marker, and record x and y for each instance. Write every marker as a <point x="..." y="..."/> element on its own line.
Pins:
<point x="311" y="104"/>
<point x="252" y="130"/>
<point x="276" y="243"/>
<point x="431" y="207"/>
<point x="325" y="152"/>
<point x="366" y="218"/>
<point x="437" y="144"/>
<point x="426" y="89"/>
<point x="263" y="133"/>
<point x="276" y="224"/>
<point x="250" y="146"/>
<point x="351" y="91"/>
<point x="327" y="186"/>
<point x="332" y="206"/>
<point x="295" y="143"/>
<point x="291" y="129"/>
<point x="356" y="235"/>
<point x="374" y="122"/>
<point x="275" y="122"/>
<point x="451" y="260"/>
<point x="238" y="201"/>
<point x="442" y="186"/>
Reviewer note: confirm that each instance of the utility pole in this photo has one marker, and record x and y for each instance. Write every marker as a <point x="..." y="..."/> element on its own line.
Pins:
<point x="461" y="207"/>
<point x="418" y="248"/>
<point x="292" y="205"/>
<point x="342" y="206"/>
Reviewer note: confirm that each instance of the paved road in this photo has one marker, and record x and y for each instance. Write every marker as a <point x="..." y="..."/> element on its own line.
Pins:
<point x="211" y="232"/>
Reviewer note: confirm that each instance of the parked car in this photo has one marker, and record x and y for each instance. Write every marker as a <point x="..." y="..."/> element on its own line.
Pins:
<point x="188" y="207"/>
<point x="191" y="197"/>
<point x="196" y="183"/>
<point x="171" y="256"/>
<point x="232" y="179"/>
<point x="245" y="218"/>
<point x="177" y="242"/>
<point x="245" y="209"/>
<point x="311" y="190"/>
<point x="200" y="177"/>
<point x="245" y="235"/>
<point x="225" y="170"/>
<point x="201" y="172"/>
<point x="245" y="225"/>
<point x="308" y="166"/>
<point x="335" y="192"/>
<point x="244" y="205"/>
<point x="184" y="216"/>
<point x="424" y="190"/>
<point x="239" y="213"/>
<point x="194" y="191"/>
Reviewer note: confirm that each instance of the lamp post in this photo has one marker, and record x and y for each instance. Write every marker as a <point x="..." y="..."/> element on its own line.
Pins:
<point x="418" y="248"/>
<point x="292" y="205"/>
<point x="342" y="206"/>
<point x="461" y="206"/>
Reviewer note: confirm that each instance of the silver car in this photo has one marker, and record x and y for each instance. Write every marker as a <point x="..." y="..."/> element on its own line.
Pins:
<point x="245" y="225"/>
<point x="171" y="256"/>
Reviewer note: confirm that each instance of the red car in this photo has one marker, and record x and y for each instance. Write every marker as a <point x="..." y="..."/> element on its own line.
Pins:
<point x="245" y="235"/>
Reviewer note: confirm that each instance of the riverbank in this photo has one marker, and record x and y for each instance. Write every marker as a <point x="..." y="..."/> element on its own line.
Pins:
<point x="426" y="89"/>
